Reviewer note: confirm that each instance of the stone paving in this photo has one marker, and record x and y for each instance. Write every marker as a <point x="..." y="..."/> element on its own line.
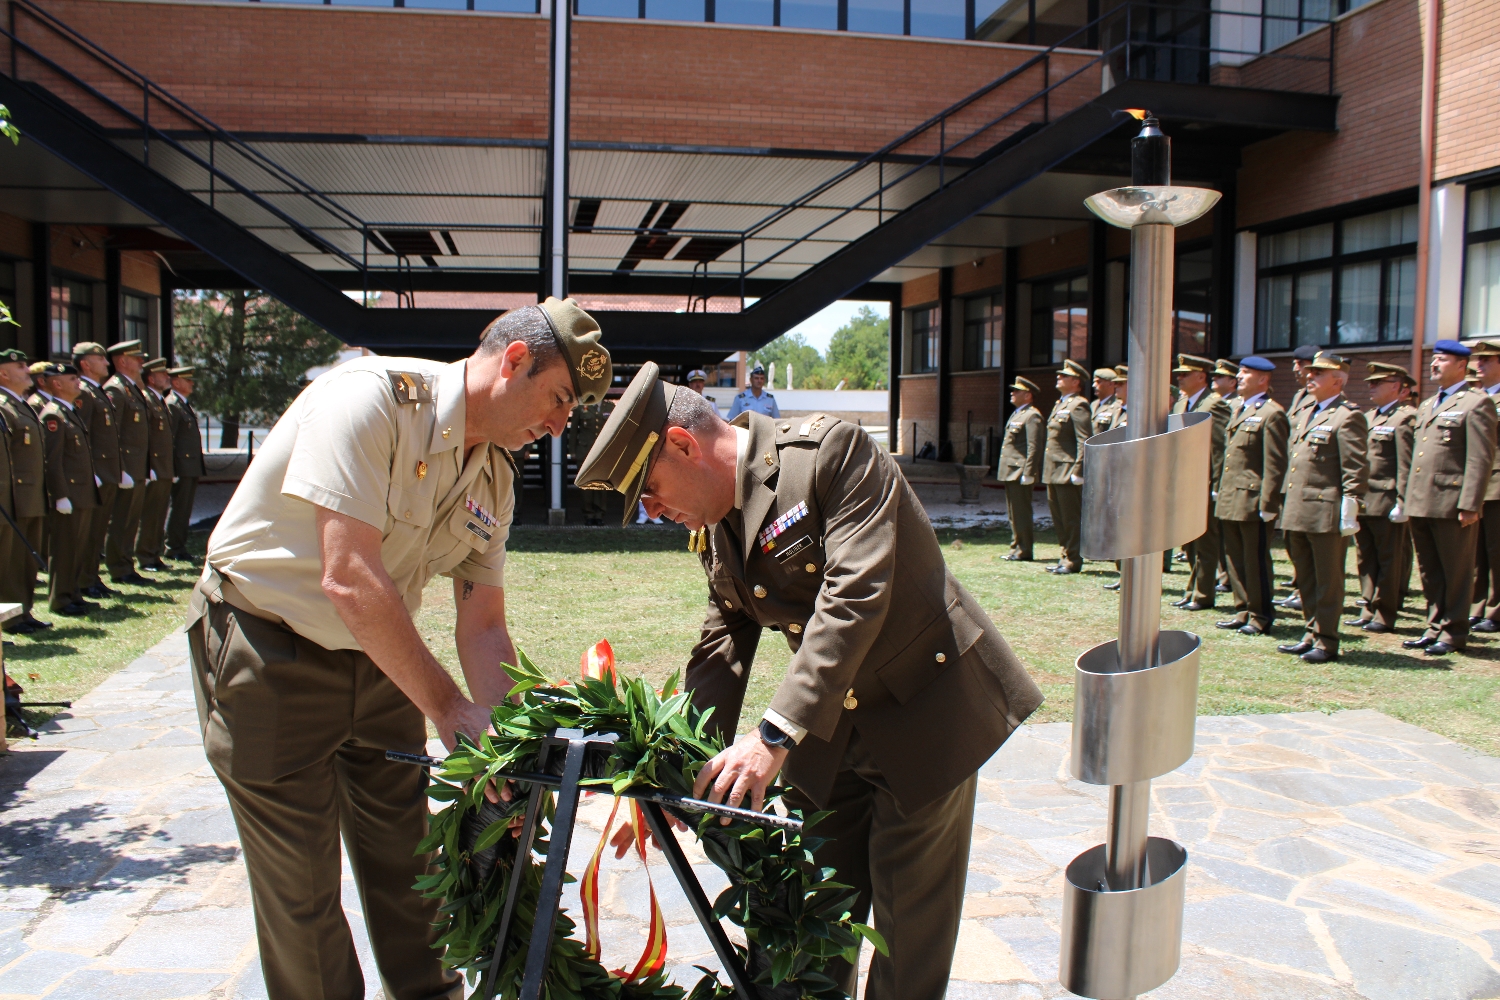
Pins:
<point x="1339" y="856"/>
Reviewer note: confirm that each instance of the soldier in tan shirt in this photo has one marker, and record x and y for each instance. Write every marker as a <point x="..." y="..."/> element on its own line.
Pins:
<point x="1326" y="476"/>
<point x="383" y="473"/>
<point x="1384" y="545"/>
<point x="1453" y="460"/>
<point x="1020" y="467"/>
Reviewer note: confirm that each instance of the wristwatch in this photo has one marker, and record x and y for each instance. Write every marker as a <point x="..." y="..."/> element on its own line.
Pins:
<point x="771" y="736"/>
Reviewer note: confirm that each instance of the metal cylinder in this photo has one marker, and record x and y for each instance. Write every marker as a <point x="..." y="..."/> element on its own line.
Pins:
<point x="1125" y="839"/>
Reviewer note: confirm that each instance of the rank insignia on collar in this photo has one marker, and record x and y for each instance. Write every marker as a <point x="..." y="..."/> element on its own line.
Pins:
<point x="478" y="511"/>
<point x="772" y="531"/>
<point x="421" y="471"/>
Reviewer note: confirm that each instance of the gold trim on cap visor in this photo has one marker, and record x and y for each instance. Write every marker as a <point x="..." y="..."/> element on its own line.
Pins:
<point x="640" y="460"/>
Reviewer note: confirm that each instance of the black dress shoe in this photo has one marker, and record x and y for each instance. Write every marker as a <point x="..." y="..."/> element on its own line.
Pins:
<point x="1485" y="625"/>
<point x="1221" y="588"/>
<point x="1294" y="648"/>
<point x="1195" y="606"/>
<point x="1357" y="622"/>
<point x="98" y="591"/>
<point x="1184" y="602"/>
<point x="1475" y="619"/>
<point x="186" y="556"/>
<point x="1112" y="586"/>
<point x="156" y="567"/>
<point x="1316" y="655"/>
<point x="1016" y="557"/>
<point x="1229" y="623"/>
<point x="1292" y="604"/>
<point x="1250" y="628"/>
<point x="1360" y="602"/>
<point x="1439" y="648"/>
<point x="74" y="610"/>
<point x="134" y="578"/>
<point x="1375" y="626"/>
<point x="1422" y="643"/>
<point x="21" y="627"/>
<point x="1065" y="570"/>
<point x="34" y="622"/>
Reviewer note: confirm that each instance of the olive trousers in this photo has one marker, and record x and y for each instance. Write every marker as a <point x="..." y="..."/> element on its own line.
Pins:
<point x="1247" y="551"/>
<point x="18" y="574"/>
<point x="1487" y="568"/>
<point x="1203" y="564"/>
<point x="297" y="735"/>
<point x="1018" y="510"/>
<point x="124" y="523"/>
<point x="1066" y="503"/>
<point x="1445" y="563"/>
<point x="153" y="530"/>
<point x="93" y="553"/>
<point x="65" y="559"/>
<point x="1318" y="557"/>
<point x="180" y="520"/>
<point x="909" y="869"/>
<point x="1383" y="566"/>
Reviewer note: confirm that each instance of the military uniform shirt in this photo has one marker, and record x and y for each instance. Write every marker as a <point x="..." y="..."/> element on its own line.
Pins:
<point x="381" y="440"/>
<point x="747" y="401"/>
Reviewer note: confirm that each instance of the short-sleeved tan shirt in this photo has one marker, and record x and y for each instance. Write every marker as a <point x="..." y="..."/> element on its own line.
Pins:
<point x="381" y="440"/>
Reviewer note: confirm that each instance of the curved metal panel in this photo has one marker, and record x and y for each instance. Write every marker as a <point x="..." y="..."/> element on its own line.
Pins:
<point x="1149" y="494"/>
<point x="1134" y="725"/>
<point x="1122" y="944"/>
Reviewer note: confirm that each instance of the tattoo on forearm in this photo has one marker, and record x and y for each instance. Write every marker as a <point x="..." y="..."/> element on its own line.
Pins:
<point x="468" y="589"/>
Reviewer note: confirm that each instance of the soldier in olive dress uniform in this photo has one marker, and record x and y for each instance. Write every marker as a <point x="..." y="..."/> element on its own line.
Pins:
<point x="72" y="497"/>
<point x="1451" y="466"/>
<point x="1203" y="553"/>
<point x="1383" y="544"/>
<point x="1020" y="466"/>
<point x="1485" y="614"/>
<point x="1327" y="473"/>
<point x="1106" y="399"/>
<point x="187" y="460"/>
<point x="152" y="535"/>
<point x="1249" y="495"/>
<point x="810" y="528"/>
<point x="28" y="490"/>
<point x="1068" y="426"/>
<point x="586" y="423"/>
<point x="127" y="396"/>
<point x="1302" y="357"/>
<point x="98" y="415"/>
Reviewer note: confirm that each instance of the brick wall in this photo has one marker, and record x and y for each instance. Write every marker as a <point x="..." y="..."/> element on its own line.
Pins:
<point x="1056" y="253"/>
<point x="1468" y="96"/>
<point x="919" y="291"/>
<point x="983" y="275"/>
<point x="140" y="272"/>
<point x="15" y="236"/>
<point x="919" y="404"/>
<point x="79" y="250"/>
<point x="975" y="407"/>
<point x="409" y="72"/>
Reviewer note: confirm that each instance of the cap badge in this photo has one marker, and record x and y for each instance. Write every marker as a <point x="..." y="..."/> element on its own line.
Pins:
<point x="591" y="365"/>
<point x="421" y="471"/>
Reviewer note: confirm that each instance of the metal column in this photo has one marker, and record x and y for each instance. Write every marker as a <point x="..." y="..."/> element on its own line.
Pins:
<point x="1136" y="697"/>
<point x="557" y="204"/>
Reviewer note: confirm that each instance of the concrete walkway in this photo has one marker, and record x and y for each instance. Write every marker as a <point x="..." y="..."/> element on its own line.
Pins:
<point x="1338" y="856"/>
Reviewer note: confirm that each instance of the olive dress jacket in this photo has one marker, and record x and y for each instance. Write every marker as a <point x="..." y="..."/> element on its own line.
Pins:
<point x="1254" y="462"/>
<point x="1327" y="463"/>
<point x="1069" y="426"/>
<point x="70" y="460"/>
<point x="1212" y="403"/>
<point x="27" y="457"/>
<point x="160" y="440"/>
<point x="833" y="549"/>
<point x="187" y="442"/>
<point x="98" y="416"/>
<point x="135" y="426"/>
<point x="1492" y="492"/>
<point x="1390" y="449"/>
<point x="1103" y="411"/>
<point x="1454" y="453"/>
<point x="1021" y="448"/>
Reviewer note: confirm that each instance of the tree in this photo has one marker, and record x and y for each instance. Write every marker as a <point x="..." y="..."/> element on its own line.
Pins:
<point x="860" y="352"/>
<point x="252" y="354"/>
<point x="793" y="349"/>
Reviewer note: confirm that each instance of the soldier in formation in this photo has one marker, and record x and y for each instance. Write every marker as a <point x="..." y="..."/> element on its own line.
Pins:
<point x="1248" y="499"/>
<point x="1068" y="426"/>
<point x="1021" y="466"/>
<point x="1485" y="614"/>
<point x="187" y="460"/>
<point x="1106" y="399"/>
<point x="1203" y="553"/>
<point x="1384" y="546"/>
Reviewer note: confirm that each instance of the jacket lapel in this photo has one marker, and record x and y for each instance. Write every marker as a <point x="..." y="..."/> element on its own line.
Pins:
<point x="761" y="463"/>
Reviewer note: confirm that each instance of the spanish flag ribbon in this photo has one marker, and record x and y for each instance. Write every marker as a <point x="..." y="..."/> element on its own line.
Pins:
<point x="598" y="662"/>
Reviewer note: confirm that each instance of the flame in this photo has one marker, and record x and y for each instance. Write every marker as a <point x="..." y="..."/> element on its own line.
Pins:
<point x="1139" y="114"/>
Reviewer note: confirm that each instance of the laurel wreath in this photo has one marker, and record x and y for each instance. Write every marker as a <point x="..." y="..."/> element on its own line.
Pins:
<point x="795" y="917"/>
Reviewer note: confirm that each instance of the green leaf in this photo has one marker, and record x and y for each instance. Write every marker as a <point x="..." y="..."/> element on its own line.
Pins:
<point x="873" y="936"/>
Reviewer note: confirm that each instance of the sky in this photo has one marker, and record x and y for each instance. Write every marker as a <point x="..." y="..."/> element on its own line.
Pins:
<point x="819" y="329"/>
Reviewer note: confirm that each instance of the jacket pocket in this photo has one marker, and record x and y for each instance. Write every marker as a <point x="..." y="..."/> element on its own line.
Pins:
<point x="1448" y="479"/>
<point x="1328" y="493"/>
<point x="1247" y="480"/>
<point x="408" y="507"/>
<point x="935" y="649"/>
<point x="1382" y="484"/>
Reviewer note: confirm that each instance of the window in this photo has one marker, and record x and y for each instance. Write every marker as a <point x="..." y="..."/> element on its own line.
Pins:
<point x="1286" y="19"/>
<point x="72" y="316"/>
<point x="1192" y="309"/>
<point x="925" y="342"/>
<point x="136" y="316"/>
<point x="1352" y="281"/>
<point x="1482" y="264"/>
<point x="984" y="331"/>
<point x="1059" y="320"/>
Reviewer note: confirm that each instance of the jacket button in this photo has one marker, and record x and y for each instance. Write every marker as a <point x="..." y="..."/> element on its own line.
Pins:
<point x="812" y="568"/>
<point x="760" y="591"/>
<point x="851" y="702"/>
<point x="941" y="658"/>
<point x="408" y="513"/>
<point x="794" y="628"/>
<point x="729" y="604"/>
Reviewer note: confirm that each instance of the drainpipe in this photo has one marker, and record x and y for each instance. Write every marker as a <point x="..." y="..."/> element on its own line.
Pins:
<point x="1430" y="22"/>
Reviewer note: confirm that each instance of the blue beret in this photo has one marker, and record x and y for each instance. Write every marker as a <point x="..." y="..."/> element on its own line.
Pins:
<point x="1306" y="352"/>
<point x="1451" y="347"/>
<point x="1256" y="363"/>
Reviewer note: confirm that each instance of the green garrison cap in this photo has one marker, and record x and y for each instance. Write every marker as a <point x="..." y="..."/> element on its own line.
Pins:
<point x="154" y="365"/>
<point x="124" y="347"/>
<point x="578" y="335"/>
<point x="1193" y="363"/>
<point x="186" y="371"/>
<point x="1073" y="368"/>
<point x="84" y="348"/>
<point x="621" y="457"/>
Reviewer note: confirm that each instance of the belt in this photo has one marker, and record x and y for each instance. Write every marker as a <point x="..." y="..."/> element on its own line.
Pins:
<point x="215" y="588"/>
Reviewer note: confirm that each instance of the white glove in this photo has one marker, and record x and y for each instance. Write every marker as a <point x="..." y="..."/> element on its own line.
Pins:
<point x="1027" y="480"/>
<point x="1268" y="516"/>
<point x="151" y="476"/>
<point x="98" y="481"/>
<point x="1213" y="495"/>
<point x="1349" y="516"/>
<point x="175" y="478"/>
<point x="126" y="483"/>
<point x="1398" y="516"/>
<point x="65" y="506"/>
<point x="1076" y="480"/>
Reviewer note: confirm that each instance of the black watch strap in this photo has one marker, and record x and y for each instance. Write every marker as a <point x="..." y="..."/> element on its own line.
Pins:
<point x="772" y="736"/>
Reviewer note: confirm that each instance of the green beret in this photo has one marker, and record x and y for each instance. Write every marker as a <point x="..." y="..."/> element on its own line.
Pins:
<point x="578" y="335"/>
<point x="12" y="354"/>
<point x="86" y="347"/>
<point x="621" y="457"/>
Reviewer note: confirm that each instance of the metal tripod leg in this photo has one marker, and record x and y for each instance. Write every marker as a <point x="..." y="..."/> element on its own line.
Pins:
<point x="704" y="910"/>
<point x="517" y="879"/>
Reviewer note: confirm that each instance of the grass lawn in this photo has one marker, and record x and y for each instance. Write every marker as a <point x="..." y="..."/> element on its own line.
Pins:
<point x="75" y="654"/>
<point x="644" y="591"/>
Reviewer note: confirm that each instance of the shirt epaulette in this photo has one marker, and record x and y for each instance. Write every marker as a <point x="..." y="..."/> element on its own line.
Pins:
<point x="410" y="387"/>
<point x="810" y="428"/>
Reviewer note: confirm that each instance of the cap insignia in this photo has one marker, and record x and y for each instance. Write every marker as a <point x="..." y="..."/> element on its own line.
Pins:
<point x="591" y="365"/>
